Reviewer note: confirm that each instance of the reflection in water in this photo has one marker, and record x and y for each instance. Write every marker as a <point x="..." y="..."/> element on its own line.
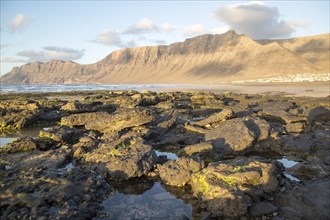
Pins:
<point x="287" y="163"/>
<point x="4" y="141"/>
<point x="169" y="155"/>
<point x="26" y="132"/>
<point x="32" y="132"/>
<point x="154" y="203"/>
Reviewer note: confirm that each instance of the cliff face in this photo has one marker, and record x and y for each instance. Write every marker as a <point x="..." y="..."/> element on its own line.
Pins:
<point x="203" y="59"/>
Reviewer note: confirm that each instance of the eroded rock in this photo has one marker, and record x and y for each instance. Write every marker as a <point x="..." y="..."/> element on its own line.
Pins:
<point x="121" y="160"/>
<point x="178" y="172"/>
<point x="226" y="187"/>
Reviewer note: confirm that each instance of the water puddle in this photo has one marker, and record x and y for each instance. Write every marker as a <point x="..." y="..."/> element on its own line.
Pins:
<point x="288" y="164"/>
<point x="292" y="178"/>
<point x="144" y="200"/>
<point x="169" y="155"/>
<point x="32" y="132"/>
<point x="4" y="140"/>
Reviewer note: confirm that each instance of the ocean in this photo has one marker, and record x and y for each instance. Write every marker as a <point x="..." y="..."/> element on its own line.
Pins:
<point x="90" y="87"/>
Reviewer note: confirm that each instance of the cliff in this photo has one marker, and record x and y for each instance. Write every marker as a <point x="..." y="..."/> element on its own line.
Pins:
<point x="202" y="59"/>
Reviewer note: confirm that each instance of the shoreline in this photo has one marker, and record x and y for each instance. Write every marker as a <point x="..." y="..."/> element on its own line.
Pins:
<point x="298" y="89"/>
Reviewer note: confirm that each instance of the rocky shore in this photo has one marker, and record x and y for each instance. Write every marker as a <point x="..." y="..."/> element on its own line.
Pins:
<point x="230" y="149"/>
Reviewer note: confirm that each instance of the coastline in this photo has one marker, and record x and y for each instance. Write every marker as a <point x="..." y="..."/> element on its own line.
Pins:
<point x="298" y="89"/>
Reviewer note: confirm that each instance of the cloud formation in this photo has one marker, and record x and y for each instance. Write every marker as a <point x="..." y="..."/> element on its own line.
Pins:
<point x="109" y="38"/>
<point x="51" y="53"/>
<point x="255" y="19"/>
<point x="12" y="60"/>
<point x="194" y="30"/>
<point x="18" y="23"/>
<point x="167" y="27"/>
<point x="145" y="25"/>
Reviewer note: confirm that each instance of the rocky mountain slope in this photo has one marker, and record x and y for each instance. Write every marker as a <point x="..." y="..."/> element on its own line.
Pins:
<point x="202" y="59"/>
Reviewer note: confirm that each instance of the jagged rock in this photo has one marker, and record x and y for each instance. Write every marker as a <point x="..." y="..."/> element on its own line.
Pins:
<point x="105" y="122"/>
<point x="19" y="145"/>
<point x="216" y="117"/>
<point x="295" y="127"/>
<point x="61" y="134"/>
<point x="231" y="137"/>
<point x="259" y="127"/>
<point x="200" y="148"/>
<point x="18" y="114"/>
<point x="50" y="193"/>
<point x="224" y="186"/>
<point x="167" y="120"/>
<point x="178" y="172"/>
<point x="308" y="201"/>
<point x="319" y="114"/>
<point x="121" y="159"/>
<point x="78" y="107"/>
<point x="279" y="111"/>
<point x="262" y="208"/>
<point x="309" y="171"/>
<point x="195" y="129"/>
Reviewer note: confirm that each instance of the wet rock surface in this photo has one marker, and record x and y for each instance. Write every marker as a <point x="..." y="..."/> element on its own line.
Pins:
<point x="98" y="160"/>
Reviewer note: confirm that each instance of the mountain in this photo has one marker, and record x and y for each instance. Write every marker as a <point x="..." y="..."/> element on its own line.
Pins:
<point x="202" y="59"/>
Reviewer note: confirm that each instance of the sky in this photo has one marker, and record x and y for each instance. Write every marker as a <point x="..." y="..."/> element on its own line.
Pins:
<point x="87" y="31"/>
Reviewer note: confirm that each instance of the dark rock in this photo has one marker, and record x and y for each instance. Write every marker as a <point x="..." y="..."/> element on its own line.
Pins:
<point x="262" y="208"/>
<point x="168" y="120"/>
<point x="200" y="148"/>
<point x="19" y="145"/>
<point x="319" y="114"/>
<point x="225" y="139"/>
<point x="225" y="114"/>
<point x="279" y="111"/>
<point x="178" y="172"/>
<point x="121" y="159"/>
<point x="62" y="134"/>
<point x="307" y="201"/>
<point x="295" y="127"/>
<point x="309" y="171"/>
<point x="223" y="186"/>
<point x="105" y="122"/>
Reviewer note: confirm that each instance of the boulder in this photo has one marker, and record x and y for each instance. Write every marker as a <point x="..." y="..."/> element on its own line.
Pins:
<point x="262" y="208"/>
<point x="178" y="172"/>
<point x="319" y="114"/>
<point x="295" y="127"/>
<point x="225" y="114"/>
<point x="231" y="137"/>
<point x="200" y="148"/>
<point x="62" y="134"/>
<point x="307" y="201"/>
<point x="279" y="111"/>
<point x="20" y="145"/>
<point x="226" y="187"/>
<point x="105" y="122"/>
<point x="120" y="159"/>
<point x="167" y="120"/>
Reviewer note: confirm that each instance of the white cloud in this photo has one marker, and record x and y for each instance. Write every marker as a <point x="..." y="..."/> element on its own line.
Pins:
<point x="220" y="30"/>
<point x="12" y="60"/>
<point x="109" y="38"/>
<point x="255" y="19"/>
<point x="18" y="23"/>
<point x="145" y="25"/>
<point x="2" y="46"/>
<point x="52" y="53"/>
<point x="194" y="30"/>
<point x="167" y="27"/>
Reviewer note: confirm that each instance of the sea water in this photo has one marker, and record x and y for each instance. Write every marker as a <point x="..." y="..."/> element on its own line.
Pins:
<point x="90" y="87"/>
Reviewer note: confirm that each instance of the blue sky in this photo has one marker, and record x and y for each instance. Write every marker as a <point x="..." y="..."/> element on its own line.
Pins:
<point x="87" y="31"/>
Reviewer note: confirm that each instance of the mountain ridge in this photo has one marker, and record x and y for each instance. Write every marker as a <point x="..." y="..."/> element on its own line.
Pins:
<point x="202" y="59"/>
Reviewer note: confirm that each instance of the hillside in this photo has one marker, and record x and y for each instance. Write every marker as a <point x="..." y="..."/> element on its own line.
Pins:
<point x="202" y="59"/>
